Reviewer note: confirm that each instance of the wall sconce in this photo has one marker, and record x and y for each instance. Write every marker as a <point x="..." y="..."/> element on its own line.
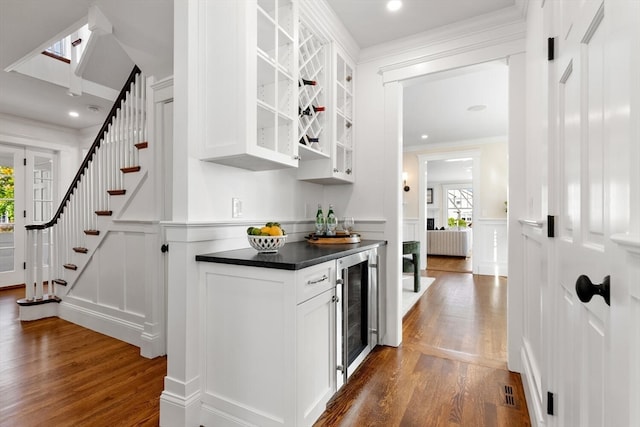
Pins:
<point x="404" y="179"/>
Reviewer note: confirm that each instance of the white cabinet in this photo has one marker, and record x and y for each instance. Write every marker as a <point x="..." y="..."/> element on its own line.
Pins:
<point x="269" y="343"/>
<point x="330" y="161"/>
<point x="252" y="97"/>
<point x="343" y="166"/>
<point x="315" y="364"/>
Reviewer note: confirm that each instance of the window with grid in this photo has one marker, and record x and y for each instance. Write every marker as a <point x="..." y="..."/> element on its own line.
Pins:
<point x="459" y="206"/>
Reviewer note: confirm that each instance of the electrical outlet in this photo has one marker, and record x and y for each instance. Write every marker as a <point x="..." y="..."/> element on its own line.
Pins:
<point x="236" y="207"/>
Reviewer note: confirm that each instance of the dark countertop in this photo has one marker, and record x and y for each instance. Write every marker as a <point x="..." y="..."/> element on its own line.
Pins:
<point x="292" y="256"/>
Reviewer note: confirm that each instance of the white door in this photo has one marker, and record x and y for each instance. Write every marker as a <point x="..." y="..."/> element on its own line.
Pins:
<point x="593" y="193"/>
<point x="12" y="221"/>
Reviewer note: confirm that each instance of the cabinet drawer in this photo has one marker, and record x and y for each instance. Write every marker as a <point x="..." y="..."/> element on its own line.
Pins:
<point x="314" y="280"/>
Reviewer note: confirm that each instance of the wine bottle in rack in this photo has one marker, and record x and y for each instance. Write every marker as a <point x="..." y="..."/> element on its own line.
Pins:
<point x="305" y="82"/>
<point x="307" y="140"/>
<point x="307" y="111"/>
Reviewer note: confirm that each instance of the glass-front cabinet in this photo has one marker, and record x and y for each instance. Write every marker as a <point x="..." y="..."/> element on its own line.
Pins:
<point x="252" y="83"/>
<point x="325" y="111"/>
<point x="344" y="116"/>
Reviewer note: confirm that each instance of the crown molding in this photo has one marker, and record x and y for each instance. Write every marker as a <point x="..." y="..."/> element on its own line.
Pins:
<point x="511" y="19"/>
<point x="320" y="17"/>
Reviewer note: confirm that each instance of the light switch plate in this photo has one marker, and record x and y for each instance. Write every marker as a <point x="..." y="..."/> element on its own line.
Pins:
<point x="236" y="207"/>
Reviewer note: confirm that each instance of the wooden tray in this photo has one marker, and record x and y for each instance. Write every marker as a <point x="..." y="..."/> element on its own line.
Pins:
<point x="340" y="238"/>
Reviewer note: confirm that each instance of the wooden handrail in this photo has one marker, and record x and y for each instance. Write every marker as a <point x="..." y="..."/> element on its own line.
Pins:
<point x="90" y="154"/>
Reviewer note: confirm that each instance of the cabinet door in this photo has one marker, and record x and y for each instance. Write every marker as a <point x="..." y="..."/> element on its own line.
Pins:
<point x="315" y="361"/>
<point x="252" y="65"/>
<point x="343" y="158"/>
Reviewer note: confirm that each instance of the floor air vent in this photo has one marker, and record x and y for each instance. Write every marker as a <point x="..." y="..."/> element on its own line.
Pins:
<point x="509" y="398"/>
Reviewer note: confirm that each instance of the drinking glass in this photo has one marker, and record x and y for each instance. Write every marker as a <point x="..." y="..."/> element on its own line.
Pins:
<point x="347" y="224"/>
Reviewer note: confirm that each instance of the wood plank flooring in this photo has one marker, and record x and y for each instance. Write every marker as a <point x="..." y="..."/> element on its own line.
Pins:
<point x="55" y="373"/>
<point x="449" y="263"/>
<point x="450" y="369"/>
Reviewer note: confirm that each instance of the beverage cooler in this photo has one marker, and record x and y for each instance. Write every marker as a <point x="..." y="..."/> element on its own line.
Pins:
<point x="357" y="317"/>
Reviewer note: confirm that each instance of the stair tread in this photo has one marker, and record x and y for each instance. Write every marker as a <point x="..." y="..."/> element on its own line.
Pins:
<point x="80" y="250"/>
<point x="92" y="232"/>
<point x="46" y="299"/>
<point x="130" y="169"/>
<point x="70" y="266"/>
<point x="141" y="145"/>
<point x="116" y="192"/>
<point x="60" y="282"/>
<point x="104" y="213"/>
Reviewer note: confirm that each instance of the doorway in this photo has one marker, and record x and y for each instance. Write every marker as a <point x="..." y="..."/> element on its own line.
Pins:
<point x="27" y="194"/>
<point x="451" y="120"/>
<point x="450" y="205"/>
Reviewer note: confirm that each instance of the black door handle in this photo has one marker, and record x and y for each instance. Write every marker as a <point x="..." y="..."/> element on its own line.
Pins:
<point x="585" y="289"/>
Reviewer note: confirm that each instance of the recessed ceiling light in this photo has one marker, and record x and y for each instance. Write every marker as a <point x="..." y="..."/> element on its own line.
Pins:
<point x="93" y="108"/>
<point x="74" y="114"/>
<point x="394" y="5"/>
<point x="478" y="107"/>
<point x="424" y="136"/>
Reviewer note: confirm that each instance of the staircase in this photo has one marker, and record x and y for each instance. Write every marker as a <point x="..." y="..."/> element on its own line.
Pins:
<point x="59" y="250"/>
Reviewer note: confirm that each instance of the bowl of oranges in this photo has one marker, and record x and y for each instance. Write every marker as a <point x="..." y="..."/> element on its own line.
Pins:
<point x="268" y="238"/>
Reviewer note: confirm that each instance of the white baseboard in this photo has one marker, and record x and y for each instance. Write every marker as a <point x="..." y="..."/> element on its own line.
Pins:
<point x="213" y="417"/>
<point x="534" y="404"/>
<point x="152" y="345"/>
<point x="178" y="411"/>
<point x="106" y="324"/>
<point x="492" y="269"/>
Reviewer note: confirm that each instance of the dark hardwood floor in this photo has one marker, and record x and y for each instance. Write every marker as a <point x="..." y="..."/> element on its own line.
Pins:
<point x="55" y="373"/>
<point x="449" y="263"/>
<point x="450" y="369"/>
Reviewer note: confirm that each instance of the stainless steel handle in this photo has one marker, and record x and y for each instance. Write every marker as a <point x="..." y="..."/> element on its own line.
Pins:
<point x="375" y="266"/>
<point x="320" y="280"/>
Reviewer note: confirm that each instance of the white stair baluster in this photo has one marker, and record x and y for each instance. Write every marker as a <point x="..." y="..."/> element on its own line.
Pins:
<point x="38" y="261"/>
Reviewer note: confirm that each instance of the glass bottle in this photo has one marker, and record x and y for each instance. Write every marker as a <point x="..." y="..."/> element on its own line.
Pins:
<point x="332" y="222"/>
<point x="320" y="221"/>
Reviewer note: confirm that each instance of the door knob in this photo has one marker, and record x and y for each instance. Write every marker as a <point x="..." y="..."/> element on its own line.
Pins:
<point x="585" y="289"/>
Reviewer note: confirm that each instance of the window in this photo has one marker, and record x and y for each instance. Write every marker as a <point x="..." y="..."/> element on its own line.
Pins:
<point x="459" y="206"/>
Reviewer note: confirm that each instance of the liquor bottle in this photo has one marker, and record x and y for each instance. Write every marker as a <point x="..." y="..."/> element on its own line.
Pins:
<point x="320" y="222"/>
<point x="307" y="82"/>
<point x="332" y="222"/>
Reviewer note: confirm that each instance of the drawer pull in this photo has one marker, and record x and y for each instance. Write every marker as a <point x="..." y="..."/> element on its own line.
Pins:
<point x="320" y="280"/>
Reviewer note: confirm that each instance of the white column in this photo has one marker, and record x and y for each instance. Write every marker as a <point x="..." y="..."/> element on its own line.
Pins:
<point x="392" y="200"/>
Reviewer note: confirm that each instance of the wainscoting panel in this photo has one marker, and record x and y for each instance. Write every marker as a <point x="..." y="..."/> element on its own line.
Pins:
<point x="490" y="246"/>
<point x="534" y="337"/>
<point x="116" y="294"/>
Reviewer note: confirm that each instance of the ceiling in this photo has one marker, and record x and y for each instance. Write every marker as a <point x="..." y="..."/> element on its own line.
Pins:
<point x="27" y="25"/>
<point x="438" y="105"/>
<point x="450" y="170"/>
<point x="370" y="23"/>
<point x="144" y="32"/>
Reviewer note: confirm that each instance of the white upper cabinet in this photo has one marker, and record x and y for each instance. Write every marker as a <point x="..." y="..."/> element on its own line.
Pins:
<point x="252" y="100"/>
<point x="325" y="111"/>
